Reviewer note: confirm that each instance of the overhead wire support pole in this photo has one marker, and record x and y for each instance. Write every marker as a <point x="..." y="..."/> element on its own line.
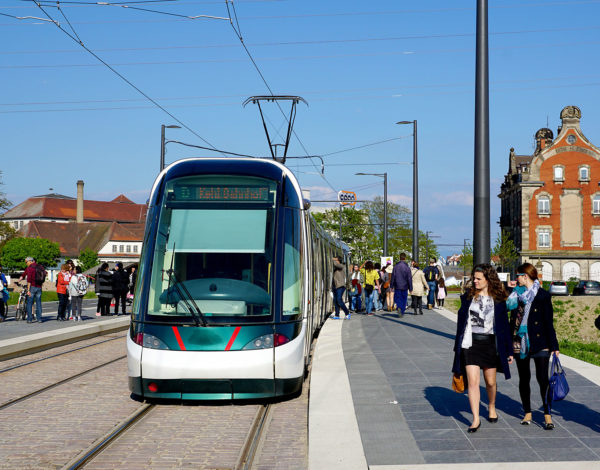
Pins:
<point x="481" y="200"/>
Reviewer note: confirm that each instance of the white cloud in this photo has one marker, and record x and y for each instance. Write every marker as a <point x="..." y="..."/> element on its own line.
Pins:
<point x="453" y="198"/>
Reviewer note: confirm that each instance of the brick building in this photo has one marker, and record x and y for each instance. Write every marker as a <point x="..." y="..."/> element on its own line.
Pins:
<point x="551" y="202"/>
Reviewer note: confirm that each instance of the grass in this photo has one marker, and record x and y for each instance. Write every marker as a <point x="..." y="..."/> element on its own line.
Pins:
<point x="588" y="352"/>
<point x="47" y="296"/>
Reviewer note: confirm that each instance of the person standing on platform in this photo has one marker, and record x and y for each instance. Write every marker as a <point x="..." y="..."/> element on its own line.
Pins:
<point x="371" y="276"/>
<point x="534" y="337"/>
<point x="132" y="279"/>
<point x="62" y="282"/>
<point x="420" y="288"/>
<point x="120" y="285"/>
<point x="389" y="294"/>
<point x="103" y="290"/>
<point x="377" y="302"/>
<point x="36" y="275"/>
<point x="483" y="339"/>
<point x="431" y="276"/>
<point x="71" y="268"/>
<point x="401" y="283"/>
<point x="442" y="292"/>
<point x="356" y="281"/>
<point x="339" y="287"/>
<point x="77" y="289"/>
<point x="3" y="295"/>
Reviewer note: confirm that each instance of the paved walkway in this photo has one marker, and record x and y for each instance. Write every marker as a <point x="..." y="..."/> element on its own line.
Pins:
<point x="398" y="371"/>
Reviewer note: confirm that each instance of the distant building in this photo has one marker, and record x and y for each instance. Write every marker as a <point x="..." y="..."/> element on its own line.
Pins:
<point x="551" y="202"/>
<point x="454" y="260"/>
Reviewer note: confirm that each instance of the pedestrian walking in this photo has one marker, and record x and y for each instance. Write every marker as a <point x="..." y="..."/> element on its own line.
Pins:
<point x="356" y="281"/>
<point x="389" y="294"/>
<point x="401" y="283"/>
<point x="371" y="277"/>
<point x="442" y="292"/>
<point x="431" y="276"/>
<point x="120" y="286"/>
<point x="77" y="289"/>
<point x="62" y="283"/>
<point x="4" y="295"/>
<point x="483" y="340"/>
<point x="534" y="337"/>
<point x="35" y="274"/>
<point x="377" y="302"/>
<point x="103" y="290"/>
<point x="339" y="287"/>
<point x="420" y="288"/>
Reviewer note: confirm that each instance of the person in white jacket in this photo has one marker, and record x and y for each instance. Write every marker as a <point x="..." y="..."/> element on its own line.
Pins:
<point x="77" y="288"/>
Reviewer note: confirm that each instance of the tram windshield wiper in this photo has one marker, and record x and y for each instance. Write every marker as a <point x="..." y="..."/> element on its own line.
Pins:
<point x="185" y="295"/>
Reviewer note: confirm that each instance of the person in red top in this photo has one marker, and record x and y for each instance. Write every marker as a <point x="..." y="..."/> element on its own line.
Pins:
<point x="34" y="290"/>
<point x="64" y="277"/>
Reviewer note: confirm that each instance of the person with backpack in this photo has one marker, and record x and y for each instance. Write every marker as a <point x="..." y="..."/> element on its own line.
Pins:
<point x="431" y="276"/>
<point x="356" y="281"/>
<point x="77" y="289"/>
<point x="120" y="286"/>
<point x="36" y="275"/>
<point x="62" y="282"/>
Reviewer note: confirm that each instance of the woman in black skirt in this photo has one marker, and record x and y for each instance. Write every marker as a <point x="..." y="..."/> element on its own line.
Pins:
<point x="483" y="339"/>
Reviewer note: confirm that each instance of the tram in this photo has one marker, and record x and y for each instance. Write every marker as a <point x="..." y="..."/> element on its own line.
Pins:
<point x="235" y="279"/>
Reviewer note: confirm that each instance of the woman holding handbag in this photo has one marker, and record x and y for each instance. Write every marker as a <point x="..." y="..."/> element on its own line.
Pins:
<point x="371" y="277"/>
<point x="483" y="339"/>
<point x="534" y="337"/>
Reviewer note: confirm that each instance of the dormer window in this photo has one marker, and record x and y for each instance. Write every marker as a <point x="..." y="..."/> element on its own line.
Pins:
<point x="584" y="173"/>
<point x="559" y="173"/>
<point x="544" y="205"/>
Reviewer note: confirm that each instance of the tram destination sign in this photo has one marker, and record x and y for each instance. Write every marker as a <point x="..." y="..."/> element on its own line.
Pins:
<point x="215" y="192"/>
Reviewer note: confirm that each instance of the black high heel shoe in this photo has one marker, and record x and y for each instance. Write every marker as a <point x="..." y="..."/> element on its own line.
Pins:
<point x="474" y="429"/>
<point x="493" y="420"/>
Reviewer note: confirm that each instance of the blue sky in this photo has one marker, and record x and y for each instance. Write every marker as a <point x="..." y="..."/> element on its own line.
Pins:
<point x="361" y="66"/>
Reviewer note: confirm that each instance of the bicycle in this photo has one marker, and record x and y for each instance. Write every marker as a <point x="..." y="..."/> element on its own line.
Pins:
<point x="21" y="309"/>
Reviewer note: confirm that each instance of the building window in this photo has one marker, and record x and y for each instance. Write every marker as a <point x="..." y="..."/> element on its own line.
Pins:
<point x="128" y="248"/>
<point x="596" y="204"/>
<point x="544" y="239"/>
<point x="596" y="238"/>
<point x="135" y="248"/>
<point x="544" y="205"/>
<point x="584" y="173"/>
<point x="559" y="173"/>
<point x="21" y="224"/>
<point x="114" y="248"/>
<point x="121" y="249"/>
<point x="16" y="224"/>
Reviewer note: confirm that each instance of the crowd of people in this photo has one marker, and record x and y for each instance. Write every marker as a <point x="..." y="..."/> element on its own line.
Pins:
<point x="71" y="286"/>
<point x="373" y="287"/>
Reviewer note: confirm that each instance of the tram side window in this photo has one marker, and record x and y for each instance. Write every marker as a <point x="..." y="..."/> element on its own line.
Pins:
<point x="292" y="269"/>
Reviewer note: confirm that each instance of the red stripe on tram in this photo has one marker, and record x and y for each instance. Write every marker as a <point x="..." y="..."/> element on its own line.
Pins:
<point x="178" y="338"/>
<point x="233" y="337"/>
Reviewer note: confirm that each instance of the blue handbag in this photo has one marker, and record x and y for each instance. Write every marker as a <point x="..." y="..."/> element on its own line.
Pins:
<point x="559" y="388"/>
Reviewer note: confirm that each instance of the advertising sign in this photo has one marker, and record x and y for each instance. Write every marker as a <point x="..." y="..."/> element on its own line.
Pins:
<point x="347" y="198"/>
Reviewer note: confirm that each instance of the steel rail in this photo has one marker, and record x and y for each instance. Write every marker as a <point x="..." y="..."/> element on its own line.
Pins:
<point x="58" y="354"/>
<point x="252" y="440"/>
<point x="50" y="387"/>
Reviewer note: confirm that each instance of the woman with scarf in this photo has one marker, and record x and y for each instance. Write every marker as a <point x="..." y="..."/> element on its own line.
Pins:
<point x="483" y="339"/>
<point x="533" y="337"/>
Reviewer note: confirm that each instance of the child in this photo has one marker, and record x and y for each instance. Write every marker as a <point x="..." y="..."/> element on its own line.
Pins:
<point x="442" y="292"/>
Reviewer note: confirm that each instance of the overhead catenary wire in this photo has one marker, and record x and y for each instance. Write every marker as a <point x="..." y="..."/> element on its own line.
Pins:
<point x="158" y="105"/>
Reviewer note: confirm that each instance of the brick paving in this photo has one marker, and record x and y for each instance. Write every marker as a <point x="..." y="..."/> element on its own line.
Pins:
<point x="48" y="430"/>
<point x="399" y="372"/>
<point x="32" y="377"/>
<point x="181" y="436"/>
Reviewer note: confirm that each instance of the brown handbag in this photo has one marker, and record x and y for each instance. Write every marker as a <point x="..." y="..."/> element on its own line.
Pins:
<point x="386" y="284"/>
<point x="458" y="383"/>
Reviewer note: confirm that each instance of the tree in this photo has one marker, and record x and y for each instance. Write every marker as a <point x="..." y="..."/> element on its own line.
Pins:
<point x="6" y="231"/>
<point x="16" y="250"/>
<point x="88" y="258"/>
<point x="505" y="250"/>
<point x="4" y="203"/>
<point x="466" y="260"/>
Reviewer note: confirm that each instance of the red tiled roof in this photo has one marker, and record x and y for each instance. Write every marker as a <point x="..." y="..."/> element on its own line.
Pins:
<point x="120" y="210"/>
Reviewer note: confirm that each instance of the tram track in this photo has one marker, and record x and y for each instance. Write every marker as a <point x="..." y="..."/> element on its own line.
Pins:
<point x="257" y="431"/>
<point x="17" y="366"/>
<point x="60" y="382"/>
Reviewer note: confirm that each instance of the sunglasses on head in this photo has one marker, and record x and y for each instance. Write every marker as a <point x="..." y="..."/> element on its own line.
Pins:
<point x="520" y="274"/>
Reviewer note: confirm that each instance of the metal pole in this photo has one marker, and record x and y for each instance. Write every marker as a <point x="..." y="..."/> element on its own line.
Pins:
<point x="162" y="147"/>
<point x="415" y="234"/>
<point x="481" y="209"/>
<point x="385" y="216"/>
<point x="463" y="257"/>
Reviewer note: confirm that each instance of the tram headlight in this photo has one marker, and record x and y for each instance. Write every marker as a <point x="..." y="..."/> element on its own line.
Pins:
<point x="150" y="341"/>
<point x="267" y="341"/>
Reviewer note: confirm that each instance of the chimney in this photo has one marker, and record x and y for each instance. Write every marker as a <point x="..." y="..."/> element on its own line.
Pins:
<point x="80" y="202"/>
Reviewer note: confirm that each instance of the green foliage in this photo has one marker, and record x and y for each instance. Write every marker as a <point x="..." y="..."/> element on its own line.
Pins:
<point x="6" y="233"/>
<point x="467" y="258"/>
<point x="4" y="203"/>
<point x="588" y="352"/>
<point x="16" y="250"/>
<point x="505" y="250"/>
<point x="88" y="259"/>
<point x="47" y="296"/>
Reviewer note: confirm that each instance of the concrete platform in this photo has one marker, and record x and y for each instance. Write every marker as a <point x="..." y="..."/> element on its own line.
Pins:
<point x="393" y="376"/>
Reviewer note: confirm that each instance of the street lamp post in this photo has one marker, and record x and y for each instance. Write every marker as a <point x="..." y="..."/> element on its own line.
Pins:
<point x="385" y="209"/>
<point x="415" y="241"/>
<point x="162" y="143"/>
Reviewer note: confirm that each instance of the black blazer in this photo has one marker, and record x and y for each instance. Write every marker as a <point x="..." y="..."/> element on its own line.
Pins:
<point x="540" y="324"/>
<point x="501" y="329"/>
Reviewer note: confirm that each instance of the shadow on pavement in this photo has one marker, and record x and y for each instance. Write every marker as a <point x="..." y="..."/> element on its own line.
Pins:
<point x="577" y="413"/>
<point x="418" y="327"/>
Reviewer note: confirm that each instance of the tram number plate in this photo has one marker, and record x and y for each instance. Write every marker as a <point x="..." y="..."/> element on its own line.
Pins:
<point x="221" y="193"/>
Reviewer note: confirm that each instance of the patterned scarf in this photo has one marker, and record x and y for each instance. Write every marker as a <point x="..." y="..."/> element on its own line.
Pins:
<point x="526" y="298"/>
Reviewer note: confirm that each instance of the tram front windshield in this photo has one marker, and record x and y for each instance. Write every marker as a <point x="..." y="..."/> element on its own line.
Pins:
<point x="213" y="255"/>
